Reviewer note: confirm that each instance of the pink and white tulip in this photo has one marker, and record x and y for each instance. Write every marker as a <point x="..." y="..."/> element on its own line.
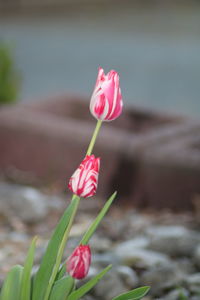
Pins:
<point x="78" y="263"/>
<point x="106" y="101"/>
<point x="84" y="181"/>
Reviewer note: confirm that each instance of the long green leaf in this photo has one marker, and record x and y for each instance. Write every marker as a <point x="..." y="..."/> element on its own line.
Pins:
<point x="77" y="294"/>
<point x="62" y="288"/>
<point x="12" y="284"/>
<point x="91" y="229"/>
<point x="98" y="219"/>
<point x="43" y="275"/>
<point x="61" y="272"/>
<point x="135" y="294"/>
<point x="26" y="276"/>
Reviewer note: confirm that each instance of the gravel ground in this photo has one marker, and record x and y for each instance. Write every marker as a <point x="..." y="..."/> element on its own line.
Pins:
<point x="160" y="249"/>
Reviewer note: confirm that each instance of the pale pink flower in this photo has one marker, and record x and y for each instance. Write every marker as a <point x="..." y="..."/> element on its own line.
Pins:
<point x="84" y="181"/>
<point x="106" y="101"/>
<point x="78" y="263"/>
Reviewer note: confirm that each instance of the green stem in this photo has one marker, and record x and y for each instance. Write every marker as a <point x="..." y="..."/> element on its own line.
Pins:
<point x="62" y="248"/>
<point x="93" y="139"/>
<point x="66" y="234"/>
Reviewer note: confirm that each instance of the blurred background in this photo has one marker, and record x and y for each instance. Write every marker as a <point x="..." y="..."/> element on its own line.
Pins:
<point x="154" y="45"/>
<point x="50" y="51"/>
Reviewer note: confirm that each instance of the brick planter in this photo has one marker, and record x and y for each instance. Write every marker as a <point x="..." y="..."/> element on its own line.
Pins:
<point x="44" y="142"/>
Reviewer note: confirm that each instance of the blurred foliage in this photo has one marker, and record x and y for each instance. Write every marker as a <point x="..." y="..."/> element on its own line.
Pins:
<point x="9" y="77"/>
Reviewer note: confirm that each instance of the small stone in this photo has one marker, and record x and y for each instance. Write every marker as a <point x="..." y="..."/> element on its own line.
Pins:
<point x="138" y="223"/>
<point x="173" y="240"/>
<point x="99" y="244"/>
<point x="104" y="259"/>
<point x="88" y="297"/>
<point x="185" y="265"/>
<point x="193" y="282"/>
<point x="19" y="237"/>
<point x="197" y="256"/>
<point x="142" y="258"/>
<point x="128" y="246"/>
<point x="162" y="277"/>
<point x="128" y="276"/>
<point x="176" y="294"/>
<point x="109" y="286"/>
<point x="80" y="228"/>
<point x="26" y="203"/>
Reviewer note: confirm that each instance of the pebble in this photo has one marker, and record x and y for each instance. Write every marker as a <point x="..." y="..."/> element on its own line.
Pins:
<point x="197" y="256"/>
<point x="173" y="240"/>
<point x="104" y="259"/>
<point x="142" y="258"/>
<point x="177" y="294"/>
<point x="185" y="265"/>
<point x="110" y="286"/>
<point x="193" y="283"/>
<point x="141" y="251"/>
<point x="130" y="245"/>
<point x="162" y="277"/>
<point x="100" y="244"/>
<point x="139" y="223"/>
<point x="25" y="203"/>
<point x="128" y="276"/>
<point x="88" y="297"/>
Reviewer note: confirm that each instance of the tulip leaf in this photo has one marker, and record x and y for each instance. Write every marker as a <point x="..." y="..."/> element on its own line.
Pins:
<point x="26" y="276"/>
<point x="135" y="294"/>
<point x="12" y="284"/>
<point x="91" y="229"/>
<point x="61" y="272"/>
<point x="77" y="294"/>
<point x="62" y="288"/>
<point x="98" y="219"/>
<point x="43" y="275"/>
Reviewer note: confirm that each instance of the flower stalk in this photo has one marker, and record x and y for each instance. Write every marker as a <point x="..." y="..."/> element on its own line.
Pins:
<point x="94" y="137"/>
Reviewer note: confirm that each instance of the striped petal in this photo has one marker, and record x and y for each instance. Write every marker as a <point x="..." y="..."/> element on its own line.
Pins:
<point x="78" y="263"/>
<point x="106" y="101"/>
<point x="85" y="179"/>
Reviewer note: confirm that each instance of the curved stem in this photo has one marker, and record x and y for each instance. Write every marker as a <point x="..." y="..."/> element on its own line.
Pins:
<point x="93" y="139"/>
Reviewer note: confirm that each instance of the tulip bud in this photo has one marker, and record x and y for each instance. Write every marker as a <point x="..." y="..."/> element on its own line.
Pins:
<point x="106" y="101"/>
<point x="84" y="181"/>
<point x="79" y="262"/>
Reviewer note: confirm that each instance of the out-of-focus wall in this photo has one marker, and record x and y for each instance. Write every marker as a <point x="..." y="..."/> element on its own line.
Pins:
<point x="20" y="4"/>
<point x="44" y="3"/>
<point x="153" y="44"/>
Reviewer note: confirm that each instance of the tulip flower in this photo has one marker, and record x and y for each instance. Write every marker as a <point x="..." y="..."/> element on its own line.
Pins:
<point x="106" y="101"/>
<point x="79" y="262"/>
<point x="84" y="181"/>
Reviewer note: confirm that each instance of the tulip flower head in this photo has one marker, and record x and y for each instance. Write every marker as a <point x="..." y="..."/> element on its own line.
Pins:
<point x="78" y="263"/>
<point x="84" y="181"/>
<point x="106" y="101"/>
